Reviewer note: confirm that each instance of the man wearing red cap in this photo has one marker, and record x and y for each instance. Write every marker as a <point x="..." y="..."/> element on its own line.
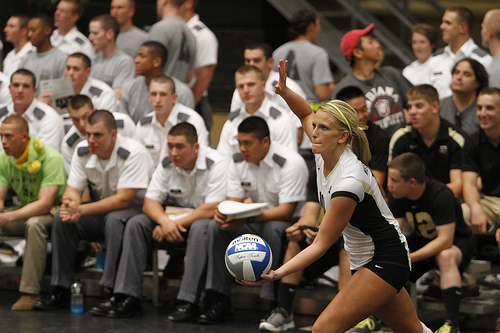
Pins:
<point x="384" y="88"/>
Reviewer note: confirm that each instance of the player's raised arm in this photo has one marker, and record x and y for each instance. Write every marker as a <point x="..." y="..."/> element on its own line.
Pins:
<point x="297" y="104"/>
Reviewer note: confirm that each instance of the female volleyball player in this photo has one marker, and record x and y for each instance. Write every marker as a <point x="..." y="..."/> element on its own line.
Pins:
<point x="354" y="206"/>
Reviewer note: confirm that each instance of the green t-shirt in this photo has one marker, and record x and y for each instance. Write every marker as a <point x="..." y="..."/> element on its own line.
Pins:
<point x="27" y="179"/>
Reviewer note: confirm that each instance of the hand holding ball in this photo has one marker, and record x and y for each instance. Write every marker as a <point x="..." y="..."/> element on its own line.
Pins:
<point x="247" y="257"/>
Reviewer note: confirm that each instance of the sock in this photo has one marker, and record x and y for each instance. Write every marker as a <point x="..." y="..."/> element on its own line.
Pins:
<point x="451" y="298"/>
<point x="286" y="294"/>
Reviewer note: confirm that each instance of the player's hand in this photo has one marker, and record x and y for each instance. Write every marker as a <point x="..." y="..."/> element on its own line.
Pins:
<point x="96" y="246"/>
<point x="281" y="87"/>
<point x="270" y="276"/>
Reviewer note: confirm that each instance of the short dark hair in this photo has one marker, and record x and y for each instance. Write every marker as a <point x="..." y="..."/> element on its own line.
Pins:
<point x="25" y="72"/>
<point x="107" y="23"/>
<point x="78" y="101"/>
<point x="299" y="23"/>
<point x="83" y="57"/>
<point x="464" y="15"/>
<point x="157" y="49"/>
<point x="186" y="129"/>
<point x="349" y="92"/>
<point x="103" y="115"/>
<point x="409" y="165"/>
<point x="480" y="73"/>
<point x="266" y="48"/>
<point x="45" y="20"/>
<point x="256" y="126"/>
<point x="490" y="91"/>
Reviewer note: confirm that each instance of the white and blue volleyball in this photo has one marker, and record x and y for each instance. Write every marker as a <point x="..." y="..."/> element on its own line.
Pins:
<point x="248" y="256"/>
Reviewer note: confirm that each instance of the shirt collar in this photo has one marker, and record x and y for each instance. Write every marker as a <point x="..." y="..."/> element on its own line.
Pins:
<point x="93" y="162"/>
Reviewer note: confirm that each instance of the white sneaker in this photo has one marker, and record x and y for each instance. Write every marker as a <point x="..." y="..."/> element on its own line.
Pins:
<point x="277" y="321"/>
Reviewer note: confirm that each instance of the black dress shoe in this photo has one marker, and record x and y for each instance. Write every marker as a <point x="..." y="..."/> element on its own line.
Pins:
<point x="60" y="297"/>
<point x="129" y="307"/>
<point x="104" y="307"/>
<point x="184" y="312"/>
<point x="218" y="312"/>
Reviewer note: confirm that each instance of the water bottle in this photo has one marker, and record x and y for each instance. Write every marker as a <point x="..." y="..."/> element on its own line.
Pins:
<point x="76" y="298"/>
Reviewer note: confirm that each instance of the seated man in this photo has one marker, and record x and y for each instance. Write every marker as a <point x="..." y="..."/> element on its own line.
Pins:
<point x="192" y="176"/>
<point x="44" y="122"/>
<point x="110" y="64"/>
<point x="251" y="85"/>
<point x="80" y="108"/>
<point x="149" y="63"/>
<point x="299" y="236"/>
<point x="378" y="140"/>
<point x="431" y="137"/>
<point x="154" y="127"/>
<point x="263" y="171"/>
<point x="117" y="171"/>
<point x="439" y="236"/>
<point x="36" y="173"/>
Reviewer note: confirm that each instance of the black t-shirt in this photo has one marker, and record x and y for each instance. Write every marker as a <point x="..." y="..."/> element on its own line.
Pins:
<point x="437" y="206"/>
<point x="378" y="142"/>
<point x="445" y="153"/>
<point x="484" y="159"/>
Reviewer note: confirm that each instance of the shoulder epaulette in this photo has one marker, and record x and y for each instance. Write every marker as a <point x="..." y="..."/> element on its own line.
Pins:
<point x="209" y="162"/>
<point x="181" y="116"/>
<point x="279" y="160"/>
<point x="438" y="52"/>
<point x="237" y="157"/>
<point x="83" y="151"/>
<point x="198" y="27"/>
<point x="72" y="139"/>
<point x="96" y="91"/>
<point x="233" y="114"/>
<point x="79" y="40"/>
<point x="119" y="123"/>
<point x="123" y="153"/>
<point x="480" y="52"/>
<point x="166" y="161"/>
<point x="274" y="83"/>
<point x="39" y="113"/>
<point x="3" y="111"/>
<point x="146" y="120"/>
<point x="273" y="112"/>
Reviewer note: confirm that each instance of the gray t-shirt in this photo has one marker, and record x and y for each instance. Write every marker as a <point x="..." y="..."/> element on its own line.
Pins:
<point x="45" y="66"/>
<point x="113" y="70"/>
<point x="466" y="120"/>
<point x="129" y="40"/>
<point x="174" y="34"/>
<point x="494" y="72"/>
<point x="385" y="96"/>
<point x="134" y="97"/>
<point x="308" y="65"/>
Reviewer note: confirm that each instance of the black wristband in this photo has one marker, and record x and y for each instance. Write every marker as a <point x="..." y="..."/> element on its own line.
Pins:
<point x="250" y="220"/>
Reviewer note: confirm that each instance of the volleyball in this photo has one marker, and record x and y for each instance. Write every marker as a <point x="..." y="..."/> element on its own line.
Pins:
<point x="248" y="256"/>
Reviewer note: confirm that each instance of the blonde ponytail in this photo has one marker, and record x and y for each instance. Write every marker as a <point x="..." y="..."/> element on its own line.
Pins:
<point x="347" y="120"/>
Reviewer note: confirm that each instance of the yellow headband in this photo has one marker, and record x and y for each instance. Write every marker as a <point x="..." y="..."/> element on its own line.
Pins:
<point x="343" y="116"/>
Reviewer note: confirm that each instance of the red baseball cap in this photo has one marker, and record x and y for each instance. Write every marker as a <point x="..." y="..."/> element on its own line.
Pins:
<point x="350" y="40"/>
